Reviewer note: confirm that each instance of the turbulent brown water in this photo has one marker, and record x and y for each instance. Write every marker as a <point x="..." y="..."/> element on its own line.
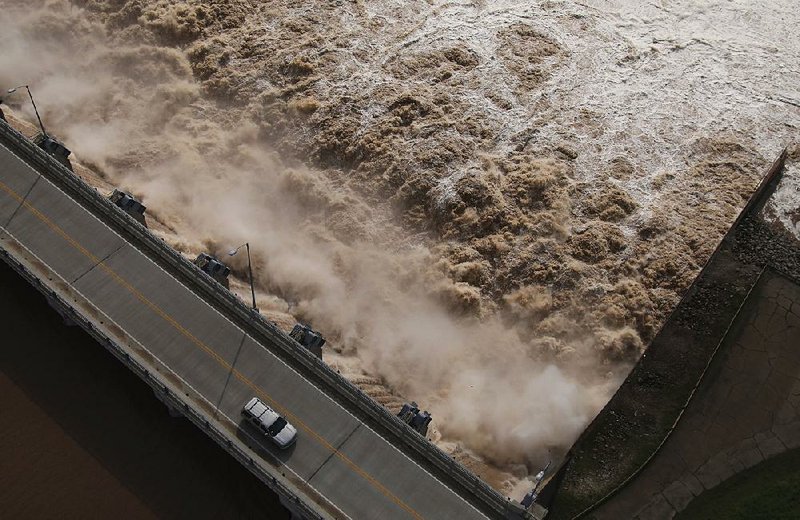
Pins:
<point x="487" y="207"/>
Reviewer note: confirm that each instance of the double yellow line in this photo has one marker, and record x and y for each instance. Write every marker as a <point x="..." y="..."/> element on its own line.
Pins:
<point x="205" y="348"/>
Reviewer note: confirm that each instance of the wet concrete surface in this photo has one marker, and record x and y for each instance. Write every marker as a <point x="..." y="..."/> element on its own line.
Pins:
<point x="746" y="409"/>
<point x="715" y="392"/>
<point x="82" y="437"/>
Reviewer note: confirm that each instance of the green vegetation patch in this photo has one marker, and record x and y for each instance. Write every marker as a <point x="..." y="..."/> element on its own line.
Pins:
<point x="770" y="490"/>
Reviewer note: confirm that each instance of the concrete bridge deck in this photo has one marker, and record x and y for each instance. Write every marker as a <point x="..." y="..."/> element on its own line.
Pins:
<point x="206" y="360"/>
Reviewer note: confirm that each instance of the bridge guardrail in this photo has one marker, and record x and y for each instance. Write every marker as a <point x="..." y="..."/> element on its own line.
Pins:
<point x="175" y="400"/>
<point x="347" y="390"/>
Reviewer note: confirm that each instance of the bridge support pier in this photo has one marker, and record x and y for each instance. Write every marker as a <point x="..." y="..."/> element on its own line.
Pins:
<point x="60" y="310"/>
<point x="291" y="506"/>
<point x="171" y="410"/>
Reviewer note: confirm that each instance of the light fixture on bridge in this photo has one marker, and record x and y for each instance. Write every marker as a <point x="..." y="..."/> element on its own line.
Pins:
<point x="26" y="87"/>
<point x="49" y="144"/>
<point x="232" y="252"/>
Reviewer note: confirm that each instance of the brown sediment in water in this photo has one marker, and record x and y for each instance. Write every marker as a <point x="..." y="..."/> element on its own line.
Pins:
<point x="403" y="192"/>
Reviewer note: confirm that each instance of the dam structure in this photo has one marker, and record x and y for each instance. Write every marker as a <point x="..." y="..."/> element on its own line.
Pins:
<point x="718" y="389"/>
<point x="205" y="354"/>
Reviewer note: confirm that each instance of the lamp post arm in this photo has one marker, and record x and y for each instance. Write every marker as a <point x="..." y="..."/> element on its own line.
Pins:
<point x="36" y="110"/>
<point x="250" y="269"/>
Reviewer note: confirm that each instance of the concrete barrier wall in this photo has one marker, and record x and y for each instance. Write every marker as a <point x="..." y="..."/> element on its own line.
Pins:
<point x="745" y="409"/>
<point x="636" y="423"/>
<point x="397" y="432"/>
<point x="172" y="398"/>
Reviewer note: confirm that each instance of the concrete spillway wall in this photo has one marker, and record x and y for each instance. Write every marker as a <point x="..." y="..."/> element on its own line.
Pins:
<point x="660" y="439"/>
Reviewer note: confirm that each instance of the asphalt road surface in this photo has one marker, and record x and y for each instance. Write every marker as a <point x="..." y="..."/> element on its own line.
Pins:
<point x="82" y="437"/>
<point x="360" y="474"/>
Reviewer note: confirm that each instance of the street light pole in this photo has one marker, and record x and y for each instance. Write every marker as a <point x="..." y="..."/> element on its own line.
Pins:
<point x="249" y="269"/>
<point x="12" y="90"/>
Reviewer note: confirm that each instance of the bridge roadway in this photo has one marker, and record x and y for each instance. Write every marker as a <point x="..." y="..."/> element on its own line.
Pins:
<point x="340" y="466"/>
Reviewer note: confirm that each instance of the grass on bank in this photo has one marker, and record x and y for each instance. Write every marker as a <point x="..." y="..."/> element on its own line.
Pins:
<point x="769" y="490"/>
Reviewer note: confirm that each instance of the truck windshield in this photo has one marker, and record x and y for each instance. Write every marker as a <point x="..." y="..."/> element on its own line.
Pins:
<point x="277" y="426"/>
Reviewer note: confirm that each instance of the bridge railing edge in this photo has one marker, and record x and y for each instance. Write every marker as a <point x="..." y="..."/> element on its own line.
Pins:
<point x="347" y="390"/>
<point x="169" y="397"/>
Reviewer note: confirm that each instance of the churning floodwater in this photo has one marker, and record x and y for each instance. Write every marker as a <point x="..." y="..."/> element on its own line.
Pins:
<point x="486" y="207"/>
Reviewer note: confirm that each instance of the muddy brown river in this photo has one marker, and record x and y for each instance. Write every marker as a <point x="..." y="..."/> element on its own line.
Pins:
<point x="486" y="207"/>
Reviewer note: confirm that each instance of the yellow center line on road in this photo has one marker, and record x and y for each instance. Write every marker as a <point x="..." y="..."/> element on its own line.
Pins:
<point x="205" y="348"/>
